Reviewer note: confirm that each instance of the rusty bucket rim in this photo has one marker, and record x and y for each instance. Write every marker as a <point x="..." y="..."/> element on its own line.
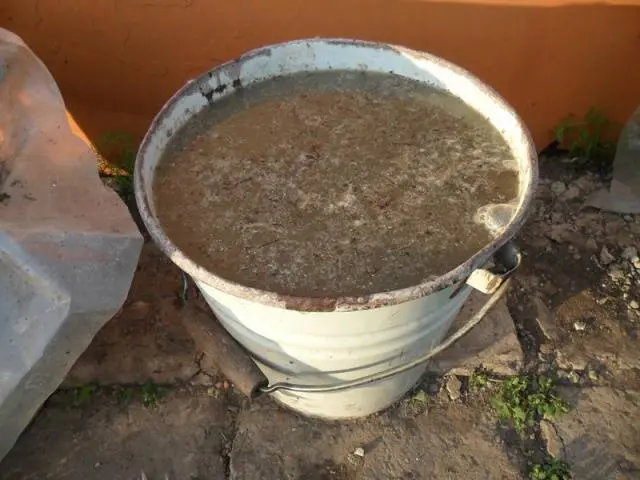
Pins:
<point x="335" y="303"/>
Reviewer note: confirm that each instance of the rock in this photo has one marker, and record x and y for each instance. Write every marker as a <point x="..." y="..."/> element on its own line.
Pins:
<point x="605" y="257"/>
<point x="616" y="274"/>
<point x="545" y="320"/>
<point x="558" y="188"/>
<point x="201" y="380"/>
<point x="636" y="263"/>
<point x="634" y="305"/>
<point x="138" y="310"/>
<point x="564" y="232"/>
<point x="546" y="349"/>
<point x="492" y="344"/>
<point x="359" y="452"/>
<point x="574" y="377"/>
<point x="584" y="183"/>
<point x="579" y="326"/>
<point x="572" y="193"/>
<point x="557" y="217"/>
<point x="630" y="253"/>
<point x="570" y="159"/>
<point x="600" y="435"/>
<point x="591" y="245"/>
<point x="453" y="386"/>
<point x="552" y="439"/>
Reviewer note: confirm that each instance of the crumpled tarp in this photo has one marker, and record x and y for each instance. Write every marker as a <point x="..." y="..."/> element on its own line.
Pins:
<point x="68" y="246"/>
<point x="623" y="196"/>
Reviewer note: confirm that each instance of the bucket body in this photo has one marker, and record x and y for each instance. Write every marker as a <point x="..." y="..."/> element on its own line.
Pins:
<point x="321" y="348"/>
<point x="318" y="340"/>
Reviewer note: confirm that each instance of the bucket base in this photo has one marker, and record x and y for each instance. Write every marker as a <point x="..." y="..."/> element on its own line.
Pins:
<point x="350" y="404"/>
<point x="326" y="348"/>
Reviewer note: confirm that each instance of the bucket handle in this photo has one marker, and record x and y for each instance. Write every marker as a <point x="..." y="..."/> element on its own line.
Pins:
<point x="491" y="282"/>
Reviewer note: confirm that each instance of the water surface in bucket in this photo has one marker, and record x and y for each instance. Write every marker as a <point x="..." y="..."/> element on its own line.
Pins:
<point x="333" y="183"/>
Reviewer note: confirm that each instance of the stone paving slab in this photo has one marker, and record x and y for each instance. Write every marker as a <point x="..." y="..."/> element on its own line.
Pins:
<point x="450" y="441"/>
<point x="493" y="344"/>
<point x="600" y="436"/>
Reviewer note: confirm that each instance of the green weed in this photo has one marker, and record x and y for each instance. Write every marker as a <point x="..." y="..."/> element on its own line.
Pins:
<point x="524" y="400"/>
<point x="420" y="398"/>
<point x="152" y="393"/>
<point x="479" y="380"/>
<point x="586" y="137"/>
<point x="123" y="394"/>
<point x="552" y="469"/>
<point x="82" y="395"/>
<point x="120" y="148"/>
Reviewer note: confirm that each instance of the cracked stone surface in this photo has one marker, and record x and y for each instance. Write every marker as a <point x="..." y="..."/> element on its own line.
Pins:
<point x="448" y="441"/>
<point x="600" y="436"/>
<point x="493" y="344"/>
<point x="182" y="437"/>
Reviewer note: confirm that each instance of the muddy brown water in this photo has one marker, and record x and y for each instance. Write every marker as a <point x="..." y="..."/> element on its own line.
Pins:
<point x="333" y="184"/>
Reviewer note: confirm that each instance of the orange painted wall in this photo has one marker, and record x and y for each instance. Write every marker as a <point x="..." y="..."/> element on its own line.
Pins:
<point x="117" y="61"/>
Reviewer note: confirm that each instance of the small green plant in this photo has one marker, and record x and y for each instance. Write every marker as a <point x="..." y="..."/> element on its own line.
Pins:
<point x="123" y="394"/>
<point x="524" y="400"/>
<point x="586" y="137"/>
<point x="120" y="148"/>
<point x="552" y="469"/>
<point x="82" y="395"/>
<point x="479" y="380"/>
<point x="152" y="393"/>
<point x="420" y="398"/>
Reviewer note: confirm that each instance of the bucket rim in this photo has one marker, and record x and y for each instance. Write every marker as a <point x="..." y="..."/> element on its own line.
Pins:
<point x="453" y="277"/>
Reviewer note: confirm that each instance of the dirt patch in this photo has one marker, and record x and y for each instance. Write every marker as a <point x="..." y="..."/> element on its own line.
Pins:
<point x="146" y="341"/>
<point x="441" y="440"/>
<point x="181" y="437"/>
<point x="576" y="292"/>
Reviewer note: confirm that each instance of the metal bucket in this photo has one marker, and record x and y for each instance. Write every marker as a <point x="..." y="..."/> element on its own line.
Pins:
<point x="345" y="356"/>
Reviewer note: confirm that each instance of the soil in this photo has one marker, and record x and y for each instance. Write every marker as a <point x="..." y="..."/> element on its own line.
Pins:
<point x="180" y="438"/>
<point x="335" y="184"/>
<point x="434" y="439"/>
<point x="566" y="277"/>
<point x="146" y="340"/>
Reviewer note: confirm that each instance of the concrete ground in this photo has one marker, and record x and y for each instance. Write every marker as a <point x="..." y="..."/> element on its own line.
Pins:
<point x="572" y="315"/>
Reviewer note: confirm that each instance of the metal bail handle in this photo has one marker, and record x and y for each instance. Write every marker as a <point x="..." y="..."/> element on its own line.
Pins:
<point x="494" y="282"/>
<point x="507" y="261"/>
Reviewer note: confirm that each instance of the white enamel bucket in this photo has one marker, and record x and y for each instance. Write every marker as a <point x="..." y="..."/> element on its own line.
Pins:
<point x="326" y="341"/>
